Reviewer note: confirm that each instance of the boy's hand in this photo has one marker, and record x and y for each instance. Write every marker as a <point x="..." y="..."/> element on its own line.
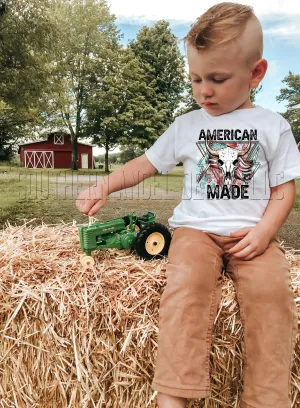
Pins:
<point x="90" y="201"/>
<point x="254" y="243"/>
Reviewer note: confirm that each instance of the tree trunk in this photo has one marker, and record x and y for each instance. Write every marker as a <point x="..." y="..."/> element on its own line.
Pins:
<point x="74" y="153"/>
<point x="66" y="118"/>
<point x="78" y="128"/>
<point x="106" y="157"/>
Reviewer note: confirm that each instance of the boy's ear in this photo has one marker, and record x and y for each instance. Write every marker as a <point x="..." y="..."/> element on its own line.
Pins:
<point x="259" y="70"/>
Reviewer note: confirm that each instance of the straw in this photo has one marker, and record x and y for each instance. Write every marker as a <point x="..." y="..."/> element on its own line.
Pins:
<point x="75" y="337"/>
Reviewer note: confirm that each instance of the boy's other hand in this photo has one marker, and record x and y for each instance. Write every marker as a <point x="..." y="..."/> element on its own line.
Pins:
<point x="254" y="242"/>
<point x="91" y="200"/>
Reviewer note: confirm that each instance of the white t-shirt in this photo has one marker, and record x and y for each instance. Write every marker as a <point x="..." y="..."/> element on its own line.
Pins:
<point x="230" y="162"/>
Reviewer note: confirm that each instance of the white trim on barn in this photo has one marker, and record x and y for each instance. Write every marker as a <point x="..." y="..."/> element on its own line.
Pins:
<point x="59" y="139"/>
<point x="39" y="157"/>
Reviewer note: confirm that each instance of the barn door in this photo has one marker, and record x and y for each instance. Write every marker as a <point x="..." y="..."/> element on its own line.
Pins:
<point x="84" y="161"/>
<point x="48" y="160"/>
<point x="29" y="159"/>
<point x="38" y="159"/>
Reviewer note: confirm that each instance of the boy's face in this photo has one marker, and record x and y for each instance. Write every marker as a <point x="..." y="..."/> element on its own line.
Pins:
<point x="221" y="77"/>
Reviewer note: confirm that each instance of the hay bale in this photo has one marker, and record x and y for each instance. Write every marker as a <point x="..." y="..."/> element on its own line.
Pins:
<point x="88" y="338"/>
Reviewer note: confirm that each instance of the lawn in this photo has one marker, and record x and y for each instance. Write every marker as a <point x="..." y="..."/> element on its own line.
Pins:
<point x="28" y="194"/>
<point x="33" y="193"/>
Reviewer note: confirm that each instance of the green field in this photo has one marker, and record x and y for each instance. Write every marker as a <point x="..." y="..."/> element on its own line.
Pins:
<point x="30" y="193"/>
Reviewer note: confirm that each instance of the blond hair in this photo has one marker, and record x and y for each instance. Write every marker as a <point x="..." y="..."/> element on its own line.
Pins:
<point x="224" y="23"/>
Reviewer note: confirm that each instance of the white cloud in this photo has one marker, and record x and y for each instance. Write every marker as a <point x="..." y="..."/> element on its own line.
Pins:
<point x="273" y="68"/>
<point x="191" y="9"/>
<point x="285" y="31"/>
<point x="100" y="150"/>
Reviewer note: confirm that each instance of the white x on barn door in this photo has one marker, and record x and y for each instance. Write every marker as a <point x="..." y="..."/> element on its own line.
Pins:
<point x="38" y="159"/>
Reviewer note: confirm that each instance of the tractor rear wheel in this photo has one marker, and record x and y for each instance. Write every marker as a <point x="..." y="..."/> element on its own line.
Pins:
<point x="153" y="241"/>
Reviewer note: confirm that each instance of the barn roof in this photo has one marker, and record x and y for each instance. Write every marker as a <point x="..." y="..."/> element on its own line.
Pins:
<point x="41" y="141"/>
<point x="46" y="140"/>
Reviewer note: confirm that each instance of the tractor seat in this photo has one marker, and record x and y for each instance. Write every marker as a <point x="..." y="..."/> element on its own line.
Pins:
<point x="144" y="218"/>
<point x="127" y="220"/>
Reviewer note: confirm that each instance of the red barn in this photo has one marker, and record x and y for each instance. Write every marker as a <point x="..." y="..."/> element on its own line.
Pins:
<point x="55" y="152"/>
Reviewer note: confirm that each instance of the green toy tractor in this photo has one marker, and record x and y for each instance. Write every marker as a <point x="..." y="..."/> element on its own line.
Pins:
<point x="150" y="239"/>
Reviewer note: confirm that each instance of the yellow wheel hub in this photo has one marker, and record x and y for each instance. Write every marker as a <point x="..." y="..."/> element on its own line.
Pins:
<point x="87" y="261"/>
<point x="155" y="243"/>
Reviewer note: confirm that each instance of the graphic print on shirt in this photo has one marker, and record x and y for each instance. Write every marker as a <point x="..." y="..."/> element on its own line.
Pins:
<point x="228" y="162"/>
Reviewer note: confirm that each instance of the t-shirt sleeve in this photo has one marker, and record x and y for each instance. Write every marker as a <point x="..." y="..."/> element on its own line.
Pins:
<point x="162" y="154"/>
<point x="285" y="165"/>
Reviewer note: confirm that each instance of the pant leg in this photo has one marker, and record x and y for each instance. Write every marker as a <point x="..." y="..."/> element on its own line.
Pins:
<point x="269" y="317"/>
<point x="188" y="307"/>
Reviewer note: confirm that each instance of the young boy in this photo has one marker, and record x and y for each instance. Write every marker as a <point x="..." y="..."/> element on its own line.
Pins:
<point x="240" y="162"/>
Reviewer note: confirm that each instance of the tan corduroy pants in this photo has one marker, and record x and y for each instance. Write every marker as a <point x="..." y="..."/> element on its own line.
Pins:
<point x="188" y="309"/>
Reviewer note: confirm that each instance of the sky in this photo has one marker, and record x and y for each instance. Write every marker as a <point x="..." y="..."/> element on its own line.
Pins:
<point x="280" y="21"/>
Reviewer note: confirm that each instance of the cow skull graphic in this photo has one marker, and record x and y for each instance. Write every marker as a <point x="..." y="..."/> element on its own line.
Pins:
<point x="228" y="160"/>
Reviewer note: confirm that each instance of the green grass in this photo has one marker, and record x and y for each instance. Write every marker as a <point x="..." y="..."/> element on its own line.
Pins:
<point x="30" y="193"/>
<point x="21" y="192"/>
<point x="172" y="181"/>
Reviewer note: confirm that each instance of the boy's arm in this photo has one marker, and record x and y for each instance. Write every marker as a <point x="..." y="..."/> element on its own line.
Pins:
<point x="281" y="202"/>
<point x="129" y="175"/>
<point x="132" y="173"/>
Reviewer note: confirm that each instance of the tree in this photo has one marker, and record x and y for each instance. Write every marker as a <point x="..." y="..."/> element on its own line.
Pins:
<point x="292" y="95"/>
<point x="14" y="124"/>
<point x="157" y="51"/>
<point x="189" y="102"/>
<point x="27" y="34"/>
<point x="89" y="33"/>
<point x="119" y="109"/>
<point x="129" y="153"/>
<point x="254" y="92"/>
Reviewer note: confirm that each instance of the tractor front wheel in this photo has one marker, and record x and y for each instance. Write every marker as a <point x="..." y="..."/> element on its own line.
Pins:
<point x="153" y="241"/>
<point x="87" y="261"/>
